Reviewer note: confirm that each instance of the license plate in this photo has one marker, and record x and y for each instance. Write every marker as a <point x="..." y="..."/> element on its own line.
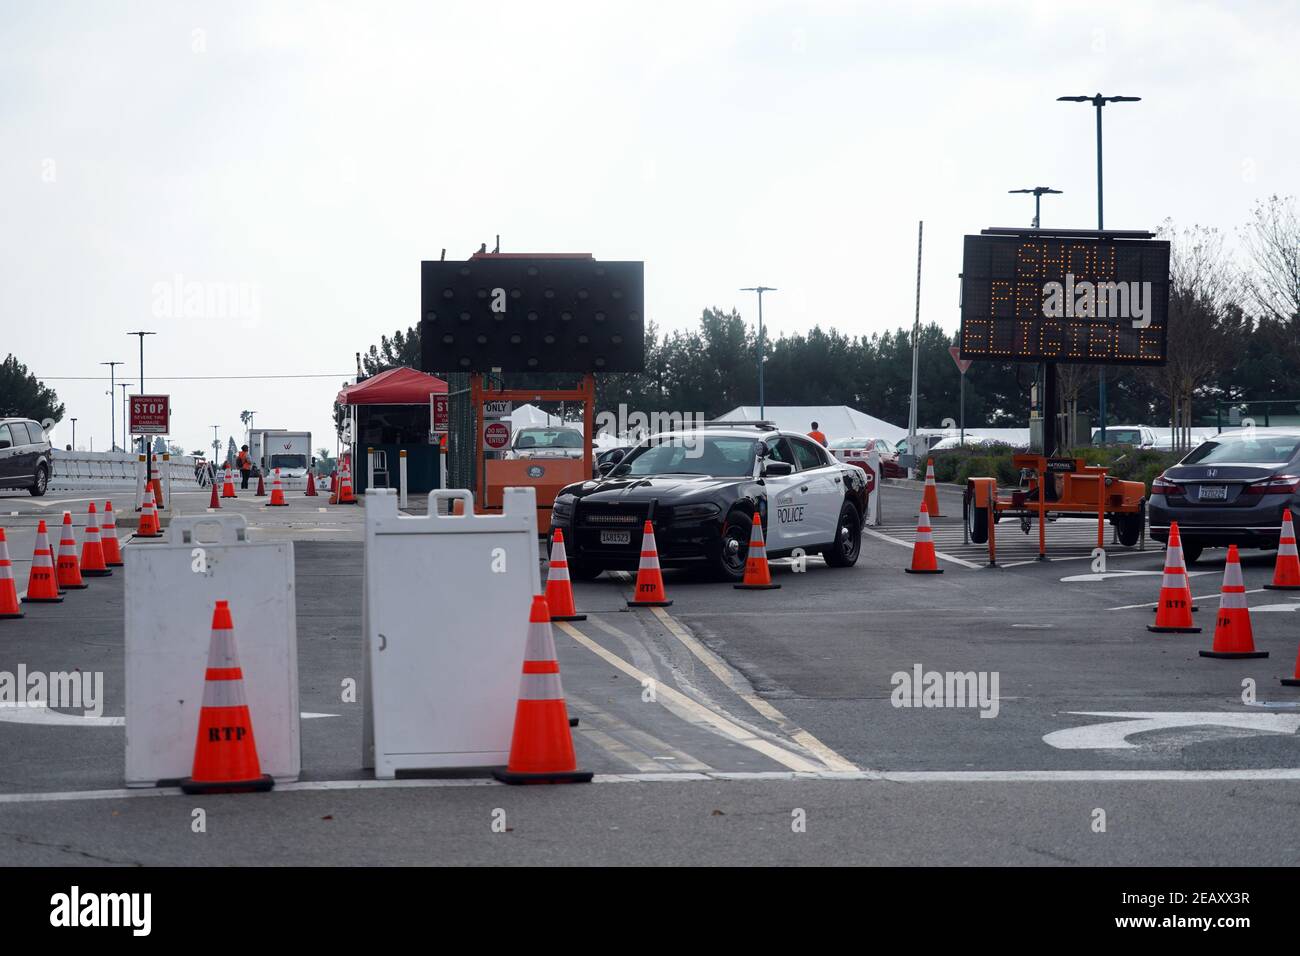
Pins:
<point x="616" y="537"/>
<point x="1214" y="493"/>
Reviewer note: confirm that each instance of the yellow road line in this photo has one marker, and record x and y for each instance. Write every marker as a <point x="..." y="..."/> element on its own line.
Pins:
<point x="729" y="728"/>
<point x="741" y="689"/>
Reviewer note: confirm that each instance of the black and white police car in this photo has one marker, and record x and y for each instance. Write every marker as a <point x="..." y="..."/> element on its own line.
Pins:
<point x="701" y="487"/>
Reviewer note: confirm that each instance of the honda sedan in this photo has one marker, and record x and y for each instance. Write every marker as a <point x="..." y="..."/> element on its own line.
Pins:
<point x="1231" y="489"/>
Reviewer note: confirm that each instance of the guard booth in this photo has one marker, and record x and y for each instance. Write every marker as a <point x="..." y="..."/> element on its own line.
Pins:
<point x="391" y="413"/>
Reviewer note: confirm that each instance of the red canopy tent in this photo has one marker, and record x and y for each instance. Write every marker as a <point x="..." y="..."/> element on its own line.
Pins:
<point x="397" y="386"/>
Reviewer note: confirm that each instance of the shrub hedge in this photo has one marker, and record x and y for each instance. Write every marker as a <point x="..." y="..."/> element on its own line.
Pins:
<point x="955" y="465"/>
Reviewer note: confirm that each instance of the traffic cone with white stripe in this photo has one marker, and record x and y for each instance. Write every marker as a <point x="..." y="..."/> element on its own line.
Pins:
<point x="108" y="538"/>
<point x="1286" y="573"/>
<point x="559" y="589"/>
<point x="758" y="576"/>
<point x="1233" y="636"/>
<point x="277" y="492"/>
<point x="228" y="486"/>
<point x="9" y="606"/>
<point x="930" y="498"/>
<point x="149" y="527"/>
<point x="1174" y="609"/>
<point x="649" y="579"/>
<point x="1295" y="680"/>
<point x="541" y="749"/>
<point x="225" y="753"/>
<point x="67" y="567"/>
<point x="924" y="560"/>
<point x="42" y="583"/>
<point x="92" y="552"/>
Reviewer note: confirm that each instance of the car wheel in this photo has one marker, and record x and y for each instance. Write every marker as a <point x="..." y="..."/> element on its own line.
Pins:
<point x="843" y="553"/>
<point x="42" y="482"/>
<point x="734" y="550"/>
<point x="1192" y="552"/>
<point x="1128" y="528"/>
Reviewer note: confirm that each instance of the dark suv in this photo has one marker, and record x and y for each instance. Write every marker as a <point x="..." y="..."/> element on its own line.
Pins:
<point x="24" y="455"/>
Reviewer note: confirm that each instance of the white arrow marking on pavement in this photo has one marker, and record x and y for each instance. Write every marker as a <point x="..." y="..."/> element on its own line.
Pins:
<point x="40" y="713"/>
<point x="1111" y="735"/>
<point x="1275" y="607"/>
<point x="1103" y="575"/>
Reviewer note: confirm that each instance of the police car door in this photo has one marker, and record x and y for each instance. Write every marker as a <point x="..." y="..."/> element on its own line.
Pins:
<point x="786" y="505"/>
<point x="822" y="486"/>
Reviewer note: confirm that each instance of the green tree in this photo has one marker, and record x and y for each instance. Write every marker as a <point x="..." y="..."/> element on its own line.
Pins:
<point x="23" y="396"/>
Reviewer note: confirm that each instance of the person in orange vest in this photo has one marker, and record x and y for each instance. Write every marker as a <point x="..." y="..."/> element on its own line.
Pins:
<point x="817" y="436"/>
<point x="245" y="463"/>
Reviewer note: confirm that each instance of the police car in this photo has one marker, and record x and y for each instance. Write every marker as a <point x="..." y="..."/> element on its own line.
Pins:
<point x="701" y="488"/>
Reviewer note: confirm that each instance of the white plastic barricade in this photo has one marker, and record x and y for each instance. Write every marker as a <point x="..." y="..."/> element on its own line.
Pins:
<point x="171" y="588"/>
<point x="445" y="622"/>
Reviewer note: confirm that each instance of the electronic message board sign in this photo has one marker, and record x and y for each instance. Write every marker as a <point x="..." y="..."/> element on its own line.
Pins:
<point x="1036" y="297"/>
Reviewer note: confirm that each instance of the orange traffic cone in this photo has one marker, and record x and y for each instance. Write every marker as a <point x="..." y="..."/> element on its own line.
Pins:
<point x="225" y="753"/>
<point x="758" y="576"/>
<point x="148" y="518"/>
<point x="346" y="496"/>
<point x="9" y="606"/>
<point x="92" y="553"/>
<point x="334" y="481"/>
<point x="931" y="496"/>
<point x="649" y="580"/>
<point x="1286" y="573"/>
<point x="228" y="487"/>
<point x="924" y="560"/>
<point x="277" y="492"/>
<point x="1233" y="637"/>
<point x="1293" y="681"/>
<point x="1174" y="610"/>
<point x="261" y="487"/>
<point x="311" y="485"/>
<point x="68" y="568"/>
<point x="559" y="589"/>
<point x="108" y="538"/>
<point x="541" y="749"/>
<point x="214" y="501"/>
<point x="42" y="583"/>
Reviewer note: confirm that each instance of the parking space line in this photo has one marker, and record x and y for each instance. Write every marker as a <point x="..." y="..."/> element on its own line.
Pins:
<point x="909" y="544"/>
<point x="740" y="687"/>
<point x="727" y="727"/>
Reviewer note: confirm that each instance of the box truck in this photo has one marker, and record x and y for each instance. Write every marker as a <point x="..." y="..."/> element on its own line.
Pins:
<point x="272" y="448"/>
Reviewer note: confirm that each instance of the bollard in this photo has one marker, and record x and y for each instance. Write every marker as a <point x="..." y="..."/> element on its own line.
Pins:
<point x="401" y="478"/>
<point x="370" y="468"/>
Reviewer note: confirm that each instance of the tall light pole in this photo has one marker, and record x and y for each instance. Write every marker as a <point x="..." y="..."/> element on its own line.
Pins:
<point x="762" y="350"/>
<point x="112" y="404"/>
<point x="216" y="445"/>
<point x="124" y="386"/>
<point x="144" y="440"/>
<point x="1038" y="193"/>
<point x="1098" y="101"/>
<point x="916" y="353"/>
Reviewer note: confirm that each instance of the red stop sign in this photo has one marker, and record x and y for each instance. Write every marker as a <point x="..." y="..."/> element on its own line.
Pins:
<point x="496" y="435"/>
<point x="871" y="478"/>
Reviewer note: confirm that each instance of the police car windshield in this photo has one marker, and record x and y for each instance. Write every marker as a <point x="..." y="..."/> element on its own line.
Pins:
<point x="688" y="454"/>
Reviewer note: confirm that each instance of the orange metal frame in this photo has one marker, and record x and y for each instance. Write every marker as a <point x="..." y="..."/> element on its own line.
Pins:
<point x="481" y="392"/>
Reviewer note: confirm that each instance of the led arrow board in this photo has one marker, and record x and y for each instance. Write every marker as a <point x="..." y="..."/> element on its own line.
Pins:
<point x="1036" y="297"/>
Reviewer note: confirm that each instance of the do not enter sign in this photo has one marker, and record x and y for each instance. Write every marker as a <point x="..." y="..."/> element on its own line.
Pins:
<point x="496" y="435"/>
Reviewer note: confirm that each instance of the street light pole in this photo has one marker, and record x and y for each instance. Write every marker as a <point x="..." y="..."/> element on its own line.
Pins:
<point x="124" y="386"/>
<point x="762" y="351"/>
<point x="112" y="405"/>
<point x="144" y="441"/>
<point x="1098" y="101"/>
<point x="1038" y="193"/>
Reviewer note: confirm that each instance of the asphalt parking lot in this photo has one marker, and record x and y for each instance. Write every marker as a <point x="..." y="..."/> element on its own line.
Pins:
<point x="766" y="706"/>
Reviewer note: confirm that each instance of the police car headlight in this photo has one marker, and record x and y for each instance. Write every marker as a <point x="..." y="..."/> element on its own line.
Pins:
<point x="695" y="512"/>
<point x="563" y="507"/>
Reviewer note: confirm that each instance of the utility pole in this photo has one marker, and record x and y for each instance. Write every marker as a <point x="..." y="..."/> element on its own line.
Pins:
<point x="762" y="350"/>
<point x="1098" y="101"/>
<point x="124" y="386"/>
<point x="74" y="434"/>
<point x="916" y="338"/>
<point x="112" y="405"/>
<point x="144" y="440"/>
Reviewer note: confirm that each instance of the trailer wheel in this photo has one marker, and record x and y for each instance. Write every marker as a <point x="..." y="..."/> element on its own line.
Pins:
<point x="1128" y="527"/>
<point x="977" y="521"/>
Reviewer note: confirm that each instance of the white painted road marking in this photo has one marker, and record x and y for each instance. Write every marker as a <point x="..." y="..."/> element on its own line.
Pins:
<point x="1112" y="734"/>
<point x="1283" y="774"/>
<point x="39" y="713"/>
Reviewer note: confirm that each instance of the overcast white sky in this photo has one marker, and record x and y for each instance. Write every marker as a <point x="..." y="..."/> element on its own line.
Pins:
<point x="311" y="154"/>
